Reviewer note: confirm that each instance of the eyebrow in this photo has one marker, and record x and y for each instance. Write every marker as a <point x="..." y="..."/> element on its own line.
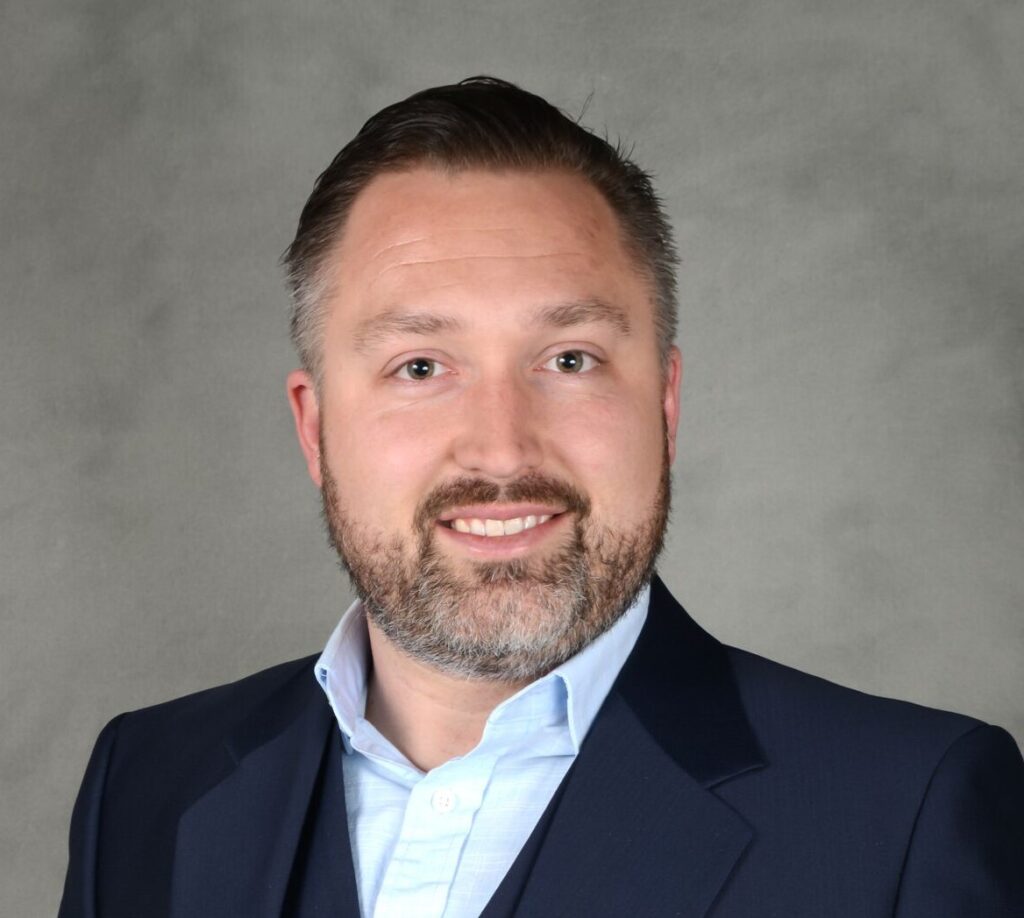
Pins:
<point x="394" y="322"/>
<point x="583" y="312"/>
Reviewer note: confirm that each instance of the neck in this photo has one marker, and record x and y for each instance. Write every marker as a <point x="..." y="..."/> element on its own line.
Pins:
<point x="428" y="715"/>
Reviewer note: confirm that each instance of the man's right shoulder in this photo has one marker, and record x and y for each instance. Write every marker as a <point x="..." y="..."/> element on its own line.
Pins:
<point x="151" y="765"/>
<point x="207" y="717"/>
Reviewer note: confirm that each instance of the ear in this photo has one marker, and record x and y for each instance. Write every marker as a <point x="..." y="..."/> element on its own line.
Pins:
<point x="673" y="378"/>
<point x="306" y="410"/>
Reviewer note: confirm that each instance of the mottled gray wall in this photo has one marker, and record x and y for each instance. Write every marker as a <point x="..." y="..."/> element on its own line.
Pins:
<point x="847" y="183"/>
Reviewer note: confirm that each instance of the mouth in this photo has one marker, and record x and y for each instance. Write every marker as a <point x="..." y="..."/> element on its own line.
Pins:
<point x="497" y="528"/>
<point x="500" y="530"/>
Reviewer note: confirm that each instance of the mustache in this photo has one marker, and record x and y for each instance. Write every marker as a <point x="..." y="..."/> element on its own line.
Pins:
<point x="529" y="489"/>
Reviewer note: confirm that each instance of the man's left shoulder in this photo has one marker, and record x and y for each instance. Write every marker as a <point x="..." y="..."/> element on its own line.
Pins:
<point x="801" y="717"/>
<point x="874" y="802"/>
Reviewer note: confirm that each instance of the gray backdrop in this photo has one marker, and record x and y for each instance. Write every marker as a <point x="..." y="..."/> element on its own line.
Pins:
<point x="847" y="184"/>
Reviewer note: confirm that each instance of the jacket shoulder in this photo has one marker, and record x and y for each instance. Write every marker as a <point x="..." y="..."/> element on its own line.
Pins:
<point x="185" y="725"/>
<point x="794" y="710"/>
<point x="148" y="768"/>
<point x="878" y="795"/>
<point x="249" y="690"/>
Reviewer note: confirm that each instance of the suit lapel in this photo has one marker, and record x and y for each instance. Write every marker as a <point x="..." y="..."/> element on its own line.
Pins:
<point x="636" y="826"/>
<point x="323" y="878"/>
<point x="237" y="844"/>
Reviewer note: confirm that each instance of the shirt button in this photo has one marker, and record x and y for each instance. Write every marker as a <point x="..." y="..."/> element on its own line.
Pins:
<point x="443" y="800"/>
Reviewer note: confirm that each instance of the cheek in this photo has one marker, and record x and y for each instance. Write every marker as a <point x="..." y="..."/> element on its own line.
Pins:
<point x="383" y="463"/>
<point x="615" y="449"/>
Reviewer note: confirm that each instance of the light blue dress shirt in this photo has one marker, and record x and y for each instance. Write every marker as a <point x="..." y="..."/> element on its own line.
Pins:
<point x="438" y="844"/>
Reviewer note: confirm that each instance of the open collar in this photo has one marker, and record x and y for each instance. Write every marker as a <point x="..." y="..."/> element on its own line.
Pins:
<point x="343" y="668"/>
<point x="635" y="821"/>
<point x="636" y="826"/>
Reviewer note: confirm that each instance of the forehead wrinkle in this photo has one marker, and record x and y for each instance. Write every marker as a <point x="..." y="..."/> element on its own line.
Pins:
<point x="394" y="321"/>
<point x="510" y="256"/>
<point x="435" y="234"/>
<point x="381" y="273"/>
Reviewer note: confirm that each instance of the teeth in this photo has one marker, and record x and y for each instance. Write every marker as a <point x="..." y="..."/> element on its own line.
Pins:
<point x="493" y="528"/>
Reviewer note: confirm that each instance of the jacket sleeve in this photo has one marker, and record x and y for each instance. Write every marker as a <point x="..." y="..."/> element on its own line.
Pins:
<point x="966" y="853"/>
<point x="79" y="899"/>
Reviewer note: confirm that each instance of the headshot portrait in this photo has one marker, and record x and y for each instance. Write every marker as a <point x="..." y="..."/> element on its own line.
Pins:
<point x="540" y="478"/>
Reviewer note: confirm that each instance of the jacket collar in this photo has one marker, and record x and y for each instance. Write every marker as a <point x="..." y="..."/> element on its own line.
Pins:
<point x="635" y="826"/>
<point x="635" y="821"/>
<point x="679" y="685"/>
<point x="237" y="844"/>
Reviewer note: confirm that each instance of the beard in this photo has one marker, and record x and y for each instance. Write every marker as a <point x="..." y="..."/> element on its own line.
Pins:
<point x="507" y="621"/>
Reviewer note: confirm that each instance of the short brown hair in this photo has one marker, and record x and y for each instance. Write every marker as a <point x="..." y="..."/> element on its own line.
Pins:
<point x="481" y="122"/>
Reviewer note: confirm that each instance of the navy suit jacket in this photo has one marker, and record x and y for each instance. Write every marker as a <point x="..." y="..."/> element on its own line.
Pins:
<point x="713" y="784"/>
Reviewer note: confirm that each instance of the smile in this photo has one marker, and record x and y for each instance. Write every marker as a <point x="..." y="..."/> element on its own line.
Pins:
<point x="501" y="531"/>
<point x="497" y="528"/>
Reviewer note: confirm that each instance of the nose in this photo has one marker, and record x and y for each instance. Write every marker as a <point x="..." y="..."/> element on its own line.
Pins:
<point x="498" y="434"/>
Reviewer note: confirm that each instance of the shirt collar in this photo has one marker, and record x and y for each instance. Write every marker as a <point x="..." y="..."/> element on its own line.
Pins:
<point x="343" y="666"/>
<point x="587" y="677"/>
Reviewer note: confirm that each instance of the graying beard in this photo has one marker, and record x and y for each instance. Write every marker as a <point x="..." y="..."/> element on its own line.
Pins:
<point x="434" y="637"/>
<point x="420" y="607"/>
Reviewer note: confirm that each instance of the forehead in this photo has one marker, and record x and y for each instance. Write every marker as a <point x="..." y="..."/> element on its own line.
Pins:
<point x="434" y="237"/>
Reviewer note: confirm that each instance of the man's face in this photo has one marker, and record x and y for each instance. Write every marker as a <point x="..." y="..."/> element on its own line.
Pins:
<point x="493" y="429"/>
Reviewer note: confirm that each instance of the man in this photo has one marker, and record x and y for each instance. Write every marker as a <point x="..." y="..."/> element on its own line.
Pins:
<point x="516" y="718"/>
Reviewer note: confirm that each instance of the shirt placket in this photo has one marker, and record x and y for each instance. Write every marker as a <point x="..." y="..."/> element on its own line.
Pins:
<point x="437" y="821"/>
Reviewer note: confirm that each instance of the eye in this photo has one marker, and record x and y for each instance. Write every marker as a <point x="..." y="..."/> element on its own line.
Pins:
<point x="420" y="368"/>
<point x="572" y="362"/>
